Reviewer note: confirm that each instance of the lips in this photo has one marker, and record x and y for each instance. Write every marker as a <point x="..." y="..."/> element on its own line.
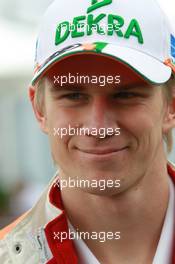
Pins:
<point x="101" y="151"/>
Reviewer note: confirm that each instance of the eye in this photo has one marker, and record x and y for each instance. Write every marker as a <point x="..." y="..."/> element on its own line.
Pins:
<point x="74" y="96"/>
<point x="126" y="95"/>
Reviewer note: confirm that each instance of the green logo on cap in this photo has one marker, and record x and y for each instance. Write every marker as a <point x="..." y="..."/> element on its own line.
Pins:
<point x="96" y="4"/>
<point x="82" y="25"/>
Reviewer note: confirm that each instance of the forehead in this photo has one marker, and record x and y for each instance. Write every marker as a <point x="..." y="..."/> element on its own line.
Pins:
<point x="90" y="64"/>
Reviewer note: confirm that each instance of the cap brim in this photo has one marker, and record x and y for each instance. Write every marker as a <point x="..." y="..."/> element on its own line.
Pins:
<point x="150" y="68"/>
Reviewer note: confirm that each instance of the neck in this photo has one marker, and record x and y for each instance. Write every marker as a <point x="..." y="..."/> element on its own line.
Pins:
<point x="138" y="214"/>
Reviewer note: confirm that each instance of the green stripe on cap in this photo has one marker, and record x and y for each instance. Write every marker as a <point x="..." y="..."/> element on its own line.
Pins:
<point x="100" y="46"/>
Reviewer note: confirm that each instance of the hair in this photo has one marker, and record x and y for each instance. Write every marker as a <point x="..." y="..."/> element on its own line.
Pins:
<point x="39" y="96"/>
<point x="167" y="90"/>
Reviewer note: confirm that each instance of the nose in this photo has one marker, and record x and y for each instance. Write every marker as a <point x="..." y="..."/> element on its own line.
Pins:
<point x="101" y="115"/>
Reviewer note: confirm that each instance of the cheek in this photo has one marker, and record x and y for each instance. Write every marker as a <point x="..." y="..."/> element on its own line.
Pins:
<point x="143" y="124"/>
<point x="58" y="126"/>
<point x="58" y="144"/>
<point x="59" y="117"/>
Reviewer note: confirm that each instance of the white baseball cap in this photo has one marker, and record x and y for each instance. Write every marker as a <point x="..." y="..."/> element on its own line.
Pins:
<point x="134" y="32"/>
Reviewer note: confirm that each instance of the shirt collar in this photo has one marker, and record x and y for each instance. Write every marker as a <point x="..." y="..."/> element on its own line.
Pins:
<point x="84" y="253"/>
<point x="165" y="246"/>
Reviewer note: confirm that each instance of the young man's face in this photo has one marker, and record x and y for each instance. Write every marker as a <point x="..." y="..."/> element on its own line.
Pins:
<point x="134" y="106"/>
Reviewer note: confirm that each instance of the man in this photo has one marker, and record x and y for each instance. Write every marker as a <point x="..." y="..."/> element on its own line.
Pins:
<point x="102" y="91"/>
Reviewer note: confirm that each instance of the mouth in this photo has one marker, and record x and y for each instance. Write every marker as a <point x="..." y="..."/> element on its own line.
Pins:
<point x="102" y="152"/>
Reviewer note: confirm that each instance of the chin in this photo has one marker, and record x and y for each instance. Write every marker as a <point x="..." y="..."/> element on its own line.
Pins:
<point x="100" y="182"/>
<point x="108" y="192"/>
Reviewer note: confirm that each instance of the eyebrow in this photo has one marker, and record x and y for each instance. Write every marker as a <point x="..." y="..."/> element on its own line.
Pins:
<point x="132" y="86"/>
<point x="66" y="87"/>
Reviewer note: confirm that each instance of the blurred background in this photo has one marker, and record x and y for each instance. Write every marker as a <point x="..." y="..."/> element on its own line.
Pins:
<point x="25" y="161"/>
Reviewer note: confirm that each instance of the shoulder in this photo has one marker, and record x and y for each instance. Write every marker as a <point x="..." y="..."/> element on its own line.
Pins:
<point x="19" y="240"/>
<point x="9" y="228"/>
<point x="5" y="243"/>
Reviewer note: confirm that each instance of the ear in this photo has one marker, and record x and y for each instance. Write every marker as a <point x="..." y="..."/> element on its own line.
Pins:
<point x="41" y="117"/>
<point x="169" y="119"/>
